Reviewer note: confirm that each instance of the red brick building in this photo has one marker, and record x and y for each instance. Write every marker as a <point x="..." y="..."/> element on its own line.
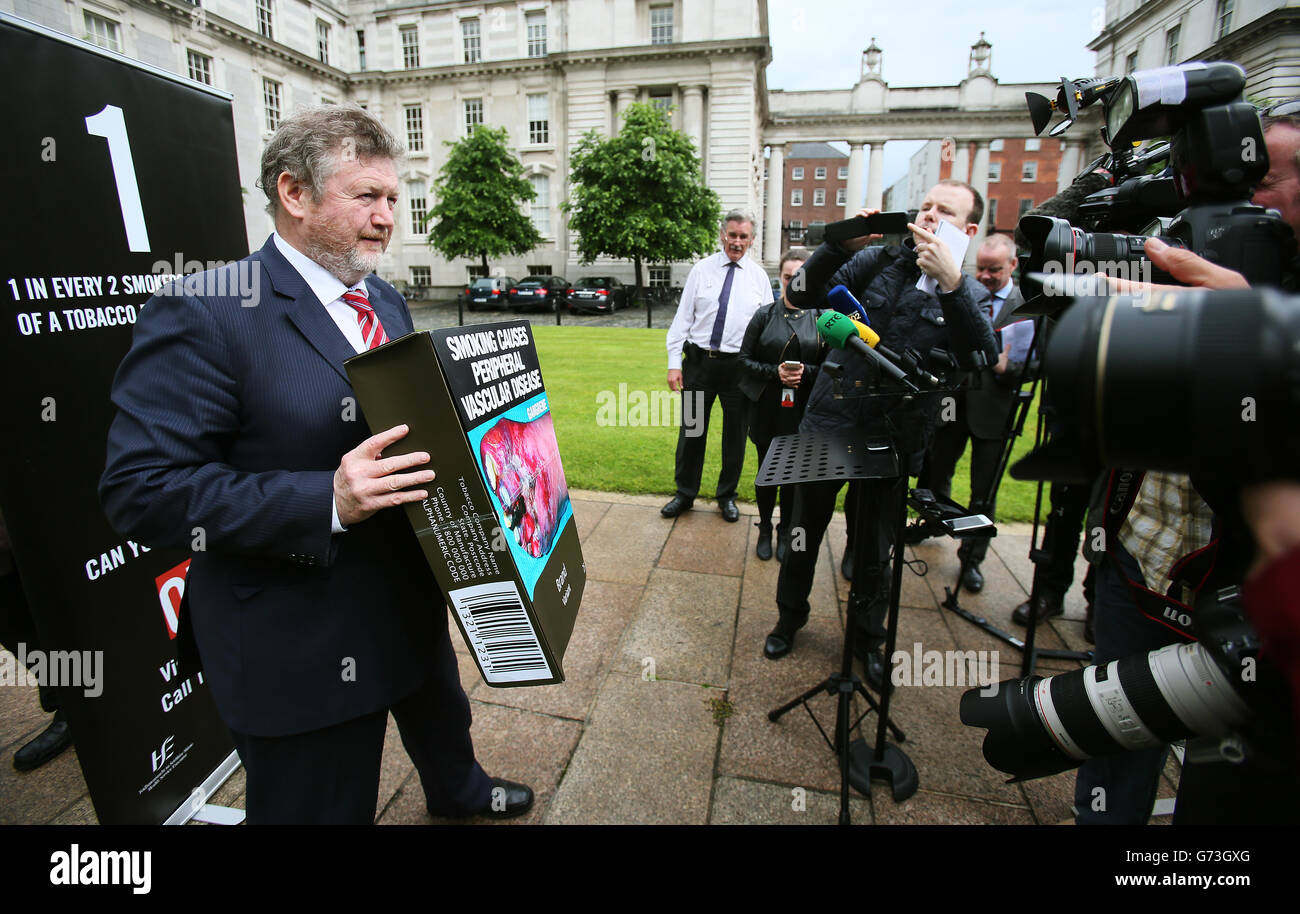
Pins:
<point x="816" y="189"/>
<point x="1022" y="174"/>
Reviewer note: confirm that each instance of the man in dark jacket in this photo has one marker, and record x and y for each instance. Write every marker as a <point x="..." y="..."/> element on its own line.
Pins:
<point x="885" y="280"/>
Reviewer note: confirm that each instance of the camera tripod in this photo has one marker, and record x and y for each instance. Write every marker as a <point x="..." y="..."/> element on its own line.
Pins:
<point x="1012" y="429"/>
<point x="816" y="457"/>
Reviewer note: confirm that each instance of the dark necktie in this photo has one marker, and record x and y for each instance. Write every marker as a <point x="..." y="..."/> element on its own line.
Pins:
<point x="372" y="331"/>
<point x="715" y="340"/>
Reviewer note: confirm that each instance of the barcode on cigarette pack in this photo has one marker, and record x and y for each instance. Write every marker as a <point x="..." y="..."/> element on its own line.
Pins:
<point x="500" y="633"/>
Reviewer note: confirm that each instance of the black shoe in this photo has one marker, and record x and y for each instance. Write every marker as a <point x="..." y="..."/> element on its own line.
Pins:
<point x="764" y="547"/>
<point x="730" y="513"/>
<point x="846" y="565"/>
<point x="782" y="544"/>
<point x="1047" y="607"/>
<point x="779" y="643"/>
<point x="676" y="506"/>
<point x="972" y="580"/>
<point x="45" y="747"/>
<point x="873" y="669"/>
<point x="507" y="801"/>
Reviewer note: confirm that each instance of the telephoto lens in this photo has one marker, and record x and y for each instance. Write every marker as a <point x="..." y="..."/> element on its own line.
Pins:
<point x="1038" y="726"/>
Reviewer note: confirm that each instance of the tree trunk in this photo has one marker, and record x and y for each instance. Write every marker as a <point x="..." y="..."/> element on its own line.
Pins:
<point x="640" y="296"/>
<point x="485" y="268"/>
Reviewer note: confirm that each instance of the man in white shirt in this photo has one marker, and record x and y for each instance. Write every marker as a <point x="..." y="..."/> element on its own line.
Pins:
<point x="721" y="294"/>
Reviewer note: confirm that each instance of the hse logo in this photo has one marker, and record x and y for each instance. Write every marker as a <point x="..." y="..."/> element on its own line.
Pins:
<point x="78" y="867"/>
<point x="171" y="587"/>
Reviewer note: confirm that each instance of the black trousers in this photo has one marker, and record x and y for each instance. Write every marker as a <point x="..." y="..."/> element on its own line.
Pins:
<point x="814" y="505"/>
<point x="331" y="776"/>
<point x="704" y="380"/>
<point x="18" y="627"/>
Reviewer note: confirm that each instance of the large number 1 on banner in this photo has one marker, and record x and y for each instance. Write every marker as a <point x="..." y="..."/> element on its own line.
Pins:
<point x="111" y="126"/>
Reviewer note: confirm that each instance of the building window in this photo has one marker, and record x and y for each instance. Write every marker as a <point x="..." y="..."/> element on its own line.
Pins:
<point x="995" y="145"/>
<point x="415" y="194"/>
<point x="264" y="18"/>
<point x="1033" y="144"/>
<point x="421" y="276"/>
<point x="361" y="49"/>
<point x="844" y="173"/>
<point x="415" y="128"/>
<point x="842" y="196"/>
<point x="271" y="102"/>
<point x="539" y="119"/>
<point x="1029" y="171"/>
<point x="1223" y="19"/>
<point x="469" y="39"/>
<point x="539" y="269"/>
<point x="797" y="173"/>
<point x="1026" y="205"/>
<point x="1171" y="46"/>
<point x="535" y="28"/>
<point x="323" y="40"/>
<point x="1131" y="63"/>
<point x="660" y="277"/>
<point x="473" y="114"/>
<point x="995" y="172"/>
<point x="410" y="46"/>
<point x="796" y="197"/>
<point x="661" y="25"/>
<point x="541" y="205"/>
<point x="820" y="174"/>
<point x="819" y="196"/>
<point x="200" y="67"/>
<point x="662" y="100"/>
<point x="102" y="32"/>
<point x="993" y="214"/>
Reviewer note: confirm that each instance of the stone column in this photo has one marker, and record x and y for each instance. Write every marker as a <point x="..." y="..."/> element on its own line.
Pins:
<point x="625" y="98"/>
<point x="961" y="162"/>
<point x="693" y="116"/>
<point x="980" y="181"/>
<point x="875" y="176"/>
<point x="775" y="204"/>
<point x="857" y="160"/>
<point x="1070" y="164"/>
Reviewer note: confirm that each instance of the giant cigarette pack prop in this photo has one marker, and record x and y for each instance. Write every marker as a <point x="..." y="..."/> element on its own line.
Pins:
<point x="497" y="528"/>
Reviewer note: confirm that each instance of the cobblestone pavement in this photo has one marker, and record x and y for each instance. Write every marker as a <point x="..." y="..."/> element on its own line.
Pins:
<point x="437" y="315"/>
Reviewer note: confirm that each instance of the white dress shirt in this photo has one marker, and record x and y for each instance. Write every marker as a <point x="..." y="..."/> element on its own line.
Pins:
<point x="750" y="289"/>
<point x="329" y="289"/>
<point x="1020" y="334"/>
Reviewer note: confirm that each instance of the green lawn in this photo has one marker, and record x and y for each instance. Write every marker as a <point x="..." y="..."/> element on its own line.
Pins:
<point x="630" y="449"/>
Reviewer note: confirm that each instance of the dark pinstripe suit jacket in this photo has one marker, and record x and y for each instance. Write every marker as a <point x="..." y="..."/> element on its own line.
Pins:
<point x="233" y="414"/>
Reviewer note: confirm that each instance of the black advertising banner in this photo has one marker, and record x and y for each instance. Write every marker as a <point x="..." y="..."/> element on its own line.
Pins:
<point x="498" y="528"/>
<point x="134" y="178"/>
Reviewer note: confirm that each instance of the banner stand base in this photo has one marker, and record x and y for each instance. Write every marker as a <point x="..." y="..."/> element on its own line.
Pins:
<point x="219" y="815"/>
<point x="196" y="806"/>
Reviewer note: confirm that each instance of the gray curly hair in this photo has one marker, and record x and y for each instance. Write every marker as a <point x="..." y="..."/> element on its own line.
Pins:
<point x="310" y="144"/>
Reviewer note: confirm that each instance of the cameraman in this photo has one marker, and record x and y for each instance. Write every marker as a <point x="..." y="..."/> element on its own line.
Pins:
<point x="885" y="281"/>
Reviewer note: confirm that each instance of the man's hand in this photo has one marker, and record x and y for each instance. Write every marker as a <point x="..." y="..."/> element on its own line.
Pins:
<point x="674" y="379"/>
<point x="366" y="481"/>
<point x="856" y="244"/>
<point x="1183" y="266"/>
<point x="1003" y="360"/>
<point x="790" y="377"/>
<point x="935" y="260"/>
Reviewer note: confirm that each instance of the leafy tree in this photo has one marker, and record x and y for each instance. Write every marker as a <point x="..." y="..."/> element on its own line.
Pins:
<point x="638" y="196"/>
<point x="479" y="192"/>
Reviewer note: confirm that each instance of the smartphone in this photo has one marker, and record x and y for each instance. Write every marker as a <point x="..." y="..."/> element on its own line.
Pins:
<point x="963" y="526"/>
<point x="879" y="224"/>
<point x="788" y="364"/>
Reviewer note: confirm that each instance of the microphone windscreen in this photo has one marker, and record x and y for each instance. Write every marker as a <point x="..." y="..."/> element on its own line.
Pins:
<point x="843" y="301"/>
<point x="869" y="336"/>
<point x="835" y="328"/>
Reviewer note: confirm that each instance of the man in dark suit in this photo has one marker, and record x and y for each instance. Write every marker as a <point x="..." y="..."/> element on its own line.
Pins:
<point x="980" y="413"/>
<point x="312" y="608"/>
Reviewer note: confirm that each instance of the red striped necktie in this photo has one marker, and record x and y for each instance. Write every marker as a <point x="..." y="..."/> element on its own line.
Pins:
<point x="372" y="332"/>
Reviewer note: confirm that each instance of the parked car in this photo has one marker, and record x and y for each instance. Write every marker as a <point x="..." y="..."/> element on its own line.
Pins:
<point x="545" y="293"/>
<point x="488" y="292"/>
<point x="598" y="293"/>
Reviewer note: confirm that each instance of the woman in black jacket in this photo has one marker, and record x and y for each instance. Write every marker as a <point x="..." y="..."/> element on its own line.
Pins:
<point x="778" y="333"/>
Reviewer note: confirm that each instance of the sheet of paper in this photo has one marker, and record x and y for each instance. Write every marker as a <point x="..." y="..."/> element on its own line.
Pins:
<point x="956" y="241"/>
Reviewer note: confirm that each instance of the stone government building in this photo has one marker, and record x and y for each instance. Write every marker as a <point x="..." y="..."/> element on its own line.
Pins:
<point x="550" y="70"/>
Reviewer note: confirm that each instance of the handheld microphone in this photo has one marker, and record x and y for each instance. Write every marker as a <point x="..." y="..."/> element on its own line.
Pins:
<point x="842" y="300"/>
<point x="838" y="330"/>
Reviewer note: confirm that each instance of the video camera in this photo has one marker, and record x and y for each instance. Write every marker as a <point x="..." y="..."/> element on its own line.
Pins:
<point x="1192" y="192"/>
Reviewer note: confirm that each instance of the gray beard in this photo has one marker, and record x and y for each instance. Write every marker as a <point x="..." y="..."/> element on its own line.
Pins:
<point x="348" y="267"/>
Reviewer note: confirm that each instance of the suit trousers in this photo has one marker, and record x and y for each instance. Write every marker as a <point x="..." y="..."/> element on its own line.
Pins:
<point x="704" y="380"/>
<point x="331" y="776"/>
